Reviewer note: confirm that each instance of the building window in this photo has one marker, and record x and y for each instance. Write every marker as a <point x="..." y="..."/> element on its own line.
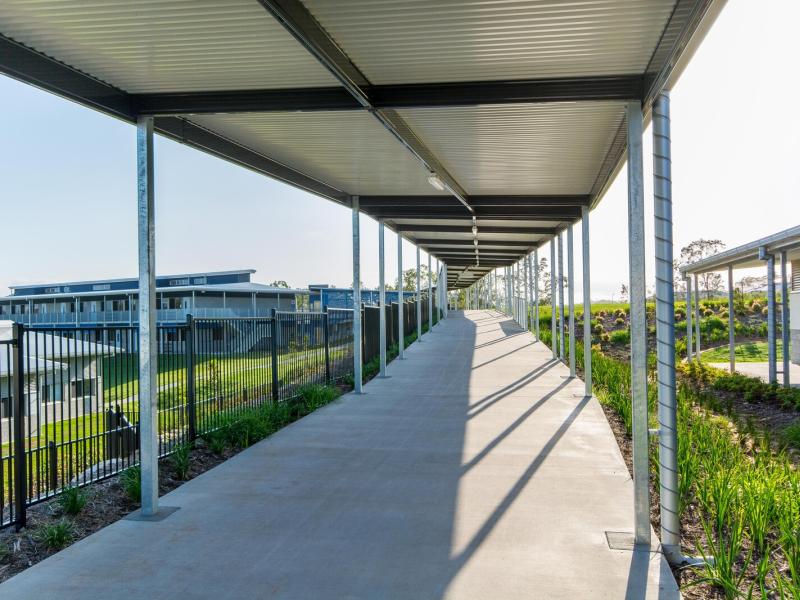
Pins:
<point x="200" y="280"/>
<point x="101" y="287"/>
<point x="176" y="282"/>
<point x="52" y="290"/>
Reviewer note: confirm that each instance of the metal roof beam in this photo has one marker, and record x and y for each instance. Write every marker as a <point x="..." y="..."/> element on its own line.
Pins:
<point x="466" y="242"/>
<point x="414" y="95"/>
<point x="483" y="201"/>
<point x="302" y="25"/>
<point x="540" y="213"/>
<point x="467" y="228"/>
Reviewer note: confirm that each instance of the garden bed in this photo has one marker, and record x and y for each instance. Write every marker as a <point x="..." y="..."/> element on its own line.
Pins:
<point x="63" y="520"/>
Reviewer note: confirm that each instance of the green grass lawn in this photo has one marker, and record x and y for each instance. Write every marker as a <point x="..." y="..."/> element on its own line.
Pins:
<point x="746" y="352"/>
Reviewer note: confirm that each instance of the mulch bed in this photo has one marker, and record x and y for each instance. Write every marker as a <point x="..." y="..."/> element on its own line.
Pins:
<point x="106" y="503"/>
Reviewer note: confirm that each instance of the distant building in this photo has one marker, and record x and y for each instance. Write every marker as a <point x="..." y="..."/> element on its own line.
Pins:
<point x="323" y="296"/>
<point x="114" y="301"/>
<point x="63" y="378"/>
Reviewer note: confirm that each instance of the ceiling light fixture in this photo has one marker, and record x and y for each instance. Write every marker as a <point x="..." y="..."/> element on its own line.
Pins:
<point x="434" y="180"/>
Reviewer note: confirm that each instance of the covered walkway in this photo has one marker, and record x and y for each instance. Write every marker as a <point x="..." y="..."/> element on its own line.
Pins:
<point x="476" y="470"/>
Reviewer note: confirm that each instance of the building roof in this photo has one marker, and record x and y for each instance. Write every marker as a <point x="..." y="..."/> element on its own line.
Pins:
<point x="127" y="279"/>
<point x="43" y="351"/>
<point x="747" y="255"/>
<point x="232" y="288"/>
<point x="515" y="111"/>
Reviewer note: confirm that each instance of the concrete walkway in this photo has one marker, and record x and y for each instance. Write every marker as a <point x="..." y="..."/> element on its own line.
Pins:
<point x="477" y="470"/>
<point x="761" y="370"/>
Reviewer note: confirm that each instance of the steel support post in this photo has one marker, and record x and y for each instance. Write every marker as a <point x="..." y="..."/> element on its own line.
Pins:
<point x="638" y="325"/>
<point x="553" y="301"/>
<point x="571" y="297"/>
<point x="665" y="332"/>
<point x="419" y="300"/>
<point x="697" y="316"/>
<point x="357" y="379"/>
<point x="561" y="346"/>
<point x="785" y="318"/>
<point x="382" y="296"/>
<point x="771" y="320"/>
<point x="536" y="292"/>
<point x="445" y="306"/>
<point x="689" y="334"/>
<point x="400" y="300"/>
<point x="430" y="296"/>
<point x="731" y="323"/>
<point x="587" y="303"/>
<point x="527" y="266"/>
<point x="148" y="334"/>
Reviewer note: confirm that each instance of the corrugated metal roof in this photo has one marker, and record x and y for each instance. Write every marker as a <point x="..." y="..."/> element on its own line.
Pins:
<point x="520" y="148"/>
<point x="156" y="45"/>
<point x="457" y="40"/>
<point x="349" y="150"/>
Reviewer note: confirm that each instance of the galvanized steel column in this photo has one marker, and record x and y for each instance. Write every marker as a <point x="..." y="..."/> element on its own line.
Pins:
<point x="419" y="302"/>
<point x="561" y="349"/>
<point x="430" y="296"/>
<point x="554" y="312"/>
<point x="665" y="332"/>
<point x="689" y="353"/>
<point x="638" y="325"/>
<point x="356" y="297"/>
<point x="571" y="298"/>
<point x="527" y="263"/>
<point x="148" y="334"/>
<point x="400" y="299"/>
<point x="771" y="306"/>
<point x="697" y="316"/>
<point x="587" y="303"/>
<point x="731" y="323"/>
<point x="785" y="318"/>
<point x="382" y="297"/>
<point x="536" y="292"/>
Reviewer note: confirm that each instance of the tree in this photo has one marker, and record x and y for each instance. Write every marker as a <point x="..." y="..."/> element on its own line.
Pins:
<point x="410" y="279"/>
<point x="280" y="283"/>
<point x="623" y="293"/>
<point x="698" y="250"/>
<point x="752" y="284"/>
<point x="544" y="281"/>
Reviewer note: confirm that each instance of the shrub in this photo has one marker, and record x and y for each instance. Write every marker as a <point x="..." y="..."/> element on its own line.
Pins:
<point x="620" y="336"/>
<point x="619" y="321"/>
<point x="710" y="324"/>
<point x="708" y="312"/>
<point x="597" y="329"/>
<point x="680" y="315"/>
<point x="755" y="307"/>
<point x="765" y="311"/>
<point x="181" y="461"/>
<point x="131" y="481"/>
<point x="72" y="500"/>
<point x="55" y="535"/>
<point x="605" y="338"/>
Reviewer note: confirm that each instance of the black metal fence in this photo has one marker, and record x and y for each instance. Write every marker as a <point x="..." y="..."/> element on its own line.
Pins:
<point x="69" y="402"/>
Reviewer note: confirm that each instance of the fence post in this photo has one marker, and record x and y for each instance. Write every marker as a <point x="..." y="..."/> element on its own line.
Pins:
<point x="327" y="345"/>
<point x="52" y="464"/>
<point x="190" y="391"/>
<point x="20" y="476"/>
<point x="274" y="349"/>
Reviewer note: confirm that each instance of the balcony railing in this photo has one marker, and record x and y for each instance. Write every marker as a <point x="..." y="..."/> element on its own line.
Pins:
<point x="125" y="317"/>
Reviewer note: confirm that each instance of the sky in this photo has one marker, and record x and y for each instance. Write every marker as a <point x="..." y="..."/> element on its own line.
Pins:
<point x="68" y="193"/>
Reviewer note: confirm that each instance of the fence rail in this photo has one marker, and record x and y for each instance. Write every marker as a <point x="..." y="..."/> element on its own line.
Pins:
<point x="69" y="404"/>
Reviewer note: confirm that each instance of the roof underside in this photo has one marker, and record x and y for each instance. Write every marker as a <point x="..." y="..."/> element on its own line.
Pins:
<point x="518" y="108"/>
